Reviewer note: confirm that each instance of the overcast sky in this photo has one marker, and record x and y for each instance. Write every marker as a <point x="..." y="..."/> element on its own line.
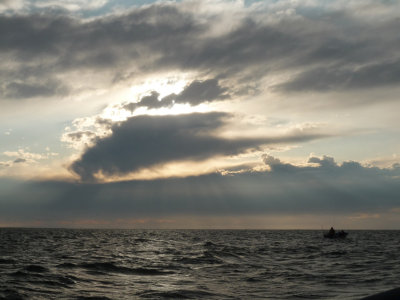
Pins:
<point x="200" y="114"/>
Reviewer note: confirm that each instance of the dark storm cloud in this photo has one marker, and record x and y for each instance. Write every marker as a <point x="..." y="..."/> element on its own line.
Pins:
<point x="147" y="141"/>
<point x="326" y="188"/>
<point x="195" y="93"/>
<point x="326" y="49"/>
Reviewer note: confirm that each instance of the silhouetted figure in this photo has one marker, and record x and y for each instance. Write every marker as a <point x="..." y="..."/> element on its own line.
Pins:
<point x="332" y="232"/>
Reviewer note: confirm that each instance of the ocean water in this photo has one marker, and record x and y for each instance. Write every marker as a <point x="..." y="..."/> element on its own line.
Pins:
<point x="195" y="264"/>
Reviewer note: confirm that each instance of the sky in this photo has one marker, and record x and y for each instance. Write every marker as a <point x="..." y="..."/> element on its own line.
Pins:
<point x="277" y="114"/>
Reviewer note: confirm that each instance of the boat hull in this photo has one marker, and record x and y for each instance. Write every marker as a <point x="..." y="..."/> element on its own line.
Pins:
<point x="337" y="235"/>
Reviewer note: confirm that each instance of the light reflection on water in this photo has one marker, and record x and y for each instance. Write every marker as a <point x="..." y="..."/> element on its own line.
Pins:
<point x="193" y="264"/>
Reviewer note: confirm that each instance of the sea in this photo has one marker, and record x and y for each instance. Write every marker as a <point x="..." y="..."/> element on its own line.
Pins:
<point x="195" y="264"/>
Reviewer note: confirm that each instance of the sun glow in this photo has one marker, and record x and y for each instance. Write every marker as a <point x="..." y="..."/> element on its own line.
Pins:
<point x="176" y="109"/>
<point x="164" y="86"/>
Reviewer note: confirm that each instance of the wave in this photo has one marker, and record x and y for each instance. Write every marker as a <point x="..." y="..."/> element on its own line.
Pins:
<point x="67" y="265"/>
<point x="36" y="269"/>
<point x="140" y="240"/>
<point x="6" y="261"/>
<point x="11" y="294"/>
<point x="110" y="267"/>
<point x="176" y="294"/>
<point x="210" y="244"/>
<point x="92" y="298"/>
<point x="337" y="253"/>
<point x="54" y="283"/>
<point x="207" y="258"/>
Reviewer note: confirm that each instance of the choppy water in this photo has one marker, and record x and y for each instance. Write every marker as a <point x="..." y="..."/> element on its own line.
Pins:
<point x="195" y="264"/>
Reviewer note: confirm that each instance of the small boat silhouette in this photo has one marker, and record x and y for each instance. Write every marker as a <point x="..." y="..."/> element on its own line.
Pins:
<point x="332" y="234"/>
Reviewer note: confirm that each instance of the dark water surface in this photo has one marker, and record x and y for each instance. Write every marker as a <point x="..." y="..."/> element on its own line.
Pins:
<point x="195" y="264"/>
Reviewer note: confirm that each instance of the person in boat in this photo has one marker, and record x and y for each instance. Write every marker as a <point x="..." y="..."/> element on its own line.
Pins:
<point x="331" y="232"/>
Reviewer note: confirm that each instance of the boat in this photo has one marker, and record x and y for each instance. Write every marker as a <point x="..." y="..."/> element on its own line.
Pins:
<point x="332" y="234"/>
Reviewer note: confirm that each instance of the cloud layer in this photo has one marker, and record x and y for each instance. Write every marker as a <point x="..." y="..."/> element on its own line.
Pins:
<point x="326" y="187"/>
<point x="310" y="47"/>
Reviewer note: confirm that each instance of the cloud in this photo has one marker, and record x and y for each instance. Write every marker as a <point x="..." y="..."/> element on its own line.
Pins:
<point x="21" y="153"/>
<point x="201" y="91"/>
<point x="195" y="93"/>
<point x="325" y="162"/>
<point x="79" y="135"/>
<point x="149" y="101"/>
<point x="23" y="156"/>
<point x="72" y="5"/>
<point x="19" y="160"/>
<point x="23" y="90"/>
<point x="310" y="49"/>
<point x="330" y="78"/>
<point x="326" y="171"/>
<point x="79" y="139"/>
<point x="148" y="141"/>
<point x="10" y="5"/>
<point x="54" y="45"/>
